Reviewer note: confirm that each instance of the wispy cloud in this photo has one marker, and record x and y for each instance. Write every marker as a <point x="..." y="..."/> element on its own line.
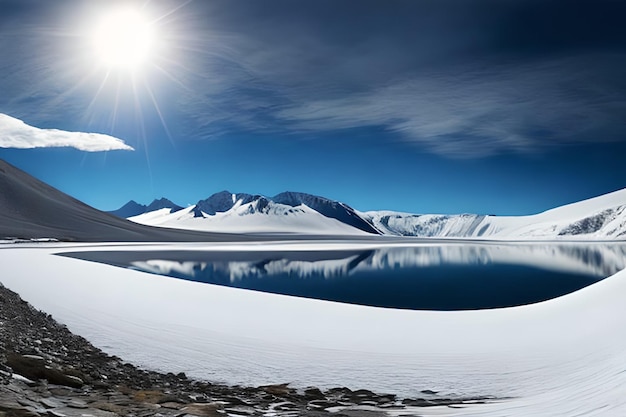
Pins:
<point x="472" y="109"/>
<point x="14" y="133"/>
<point x="477" y="112"/>
<point x="464" y="81"/>
<point x="450" y="84"/>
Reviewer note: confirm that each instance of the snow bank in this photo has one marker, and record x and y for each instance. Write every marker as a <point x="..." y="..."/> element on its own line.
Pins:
<point x="599" y="218"/>
<point x="562" y="357"/>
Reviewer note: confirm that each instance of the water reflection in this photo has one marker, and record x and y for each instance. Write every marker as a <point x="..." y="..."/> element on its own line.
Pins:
<point x="437" y="277"/>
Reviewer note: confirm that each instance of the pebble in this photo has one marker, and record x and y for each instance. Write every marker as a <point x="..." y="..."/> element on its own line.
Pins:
<point x="87" y="382"/>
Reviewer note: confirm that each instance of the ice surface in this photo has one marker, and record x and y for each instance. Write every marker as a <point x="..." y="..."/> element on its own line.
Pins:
<point x="601" y="217"/>
<point x="563" y="357"/>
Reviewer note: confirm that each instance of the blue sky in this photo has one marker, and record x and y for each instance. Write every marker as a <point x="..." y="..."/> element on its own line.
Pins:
<point x="427" y="106"/>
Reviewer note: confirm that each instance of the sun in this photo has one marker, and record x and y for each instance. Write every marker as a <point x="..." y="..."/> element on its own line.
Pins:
<point x="129" y="53"/>
<point x="124" y="39"/>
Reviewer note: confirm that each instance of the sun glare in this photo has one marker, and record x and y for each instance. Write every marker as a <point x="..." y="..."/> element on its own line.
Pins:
<point x="127" y="51"/>
<point x="123" y="39"/>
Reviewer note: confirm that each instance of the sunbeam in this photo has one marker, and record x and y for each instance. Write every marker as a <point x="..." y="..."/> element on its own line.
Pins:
<point x="128" y="55"/>
<point x="159" y="113"/>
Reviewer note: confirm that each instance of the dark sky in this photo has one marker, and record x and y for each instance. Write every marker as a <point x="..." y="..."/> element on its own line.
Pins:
<point x="440" y="106"/>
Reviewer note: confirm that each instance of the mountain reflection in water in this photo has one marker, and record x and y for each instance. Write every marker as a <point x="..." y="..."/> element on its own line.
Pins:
<point x="434" y="277"/>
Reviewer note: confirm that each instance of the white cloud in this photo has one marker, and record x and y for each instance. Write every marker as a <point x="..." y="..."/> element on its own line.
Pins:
<point x="14" y="133"/>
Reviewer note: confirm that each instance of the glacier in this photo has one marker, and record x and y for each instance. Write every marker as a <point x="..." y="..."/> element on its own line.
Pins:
<point x="602" y="217"/>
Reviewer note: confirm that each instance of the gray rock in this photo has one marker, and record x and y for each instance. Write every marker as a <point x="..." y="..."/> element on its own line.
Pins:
<point x="64" y="362"/>
<point x="27" y="403"/>
<point x="77" y="404"/>
<point x="50" y="403"/>
<point x="35" y="358"/>
<point x="91" y="412"/>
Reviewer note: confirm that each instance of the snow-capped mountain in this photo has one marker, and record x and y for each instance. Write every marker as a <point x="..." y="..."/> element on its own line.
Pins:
<point x="32" y="209"/>
<point x="601" y="217"/>
<point x="282" y="204"/>
<point x="246" y="213"/>
<point x="132" y="208"/>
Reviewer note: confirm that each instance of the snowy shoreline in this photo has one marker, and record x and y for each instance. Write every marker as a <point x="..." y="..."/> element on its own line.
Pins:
<point x="553" y="357"/>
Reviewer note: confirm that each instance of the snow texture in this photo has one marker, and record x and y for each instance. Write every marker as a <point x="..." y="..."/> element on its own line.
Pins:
<point x="601" y="217"/>
<point x="288" y="212"/>
<point x="563" y="357"/>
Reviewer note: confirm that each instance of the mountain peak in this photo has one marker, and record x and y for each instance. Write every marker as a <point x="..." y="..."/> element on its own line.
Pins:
<point x="130" y="209"/>
<point x="329" y="208"/>
<point x="162" y="203"/>
<point x="222" y="201"/>
<point x="30" y="208"/>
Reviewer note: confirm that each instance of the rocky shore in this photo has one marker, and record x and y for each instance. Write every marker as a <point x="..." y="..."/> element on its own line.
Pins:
<point x="45" y="370"/>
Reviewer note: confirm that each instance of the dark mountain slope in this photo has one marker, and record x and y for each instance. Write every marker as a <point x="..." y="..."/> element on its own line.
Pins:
<point x="221" y="202"/>
<point x="329" y="208"/>
<point x="29" y="208"/>
<point x="162" y="203"/>
<point x="130" y="209"/>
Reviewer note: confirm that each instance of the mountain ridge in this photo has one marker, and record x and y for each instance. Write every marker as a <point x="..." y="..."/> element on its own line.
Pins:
<point x="598" y="217"/>
<point x="132" y="208"/>
<point x="32" y="209"/>
<point x="602" y="217"/>
<point x="287" y="204"/>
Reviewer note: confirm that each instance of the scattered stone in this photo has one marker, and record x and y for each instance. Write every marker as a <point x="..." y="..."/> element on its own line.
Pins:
<point x="71" y="412"/>
<point x="74" y="381"/>
<point x="172" y="405"/>
<point x="340" y="391"/>
<point x="27" y="403"/>
<point x="35" y="359"/>
<point x="240" y="411"/>
<point x="77" y="404"/>
<point x="60" y="391"/>
<point x="19" y="412"/>
<point x="25" y="380"/>
<point x="8" y="403"/>
<point x="325" y="404"/>
<point x="314" y="394"/>
<point x="278" y="390"/>
<point x="49" y="403"/>
<point x="105" y="406"/>
<point x="45" y="370"/>
<point x="35" y="367"/>
<point x="203" y="410"/>
<point x="418" y="402"/>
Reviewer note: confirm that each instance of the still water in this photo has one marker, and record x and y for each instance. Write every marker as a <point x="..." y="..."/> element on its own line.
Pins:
<point x="430" y="277"/>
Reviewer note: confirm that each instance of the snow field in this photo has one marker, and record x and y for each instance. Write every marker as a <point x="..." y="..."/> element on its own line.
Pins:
<point x="562" y="357"/>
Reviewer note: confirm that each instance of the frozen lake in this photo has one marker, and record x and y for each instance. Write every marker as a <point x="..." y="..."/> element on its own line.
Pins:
<point x="466" y="276"/>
